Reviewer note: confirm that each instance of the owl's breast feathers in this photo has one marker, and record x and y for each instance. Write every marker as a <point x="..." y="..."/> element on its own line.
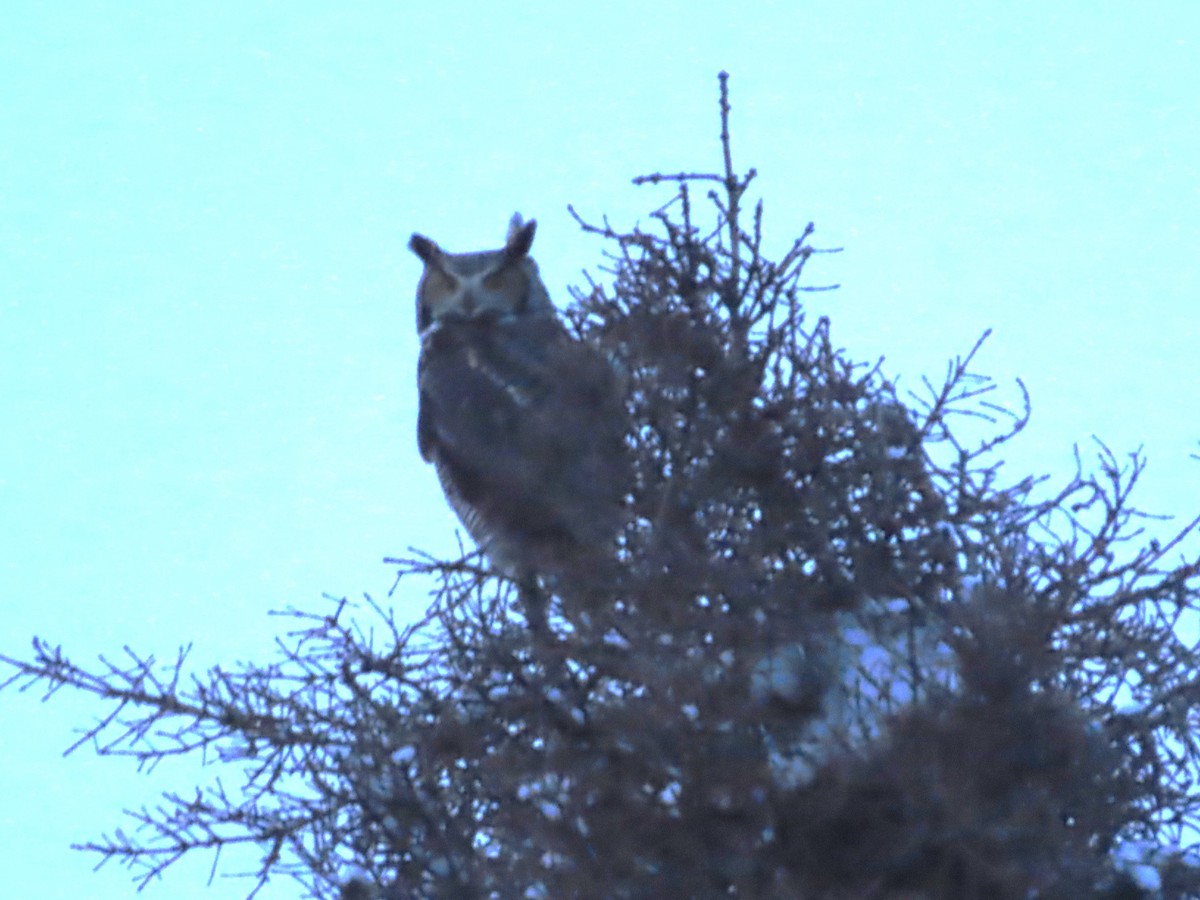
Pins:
<point x="526" y="428"/>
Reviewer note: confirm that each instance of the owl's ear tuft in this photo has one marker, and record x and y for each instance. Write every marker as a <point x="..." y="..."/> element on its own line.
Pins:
<point x="424" y="248"/>
<point x="520" y="237"/>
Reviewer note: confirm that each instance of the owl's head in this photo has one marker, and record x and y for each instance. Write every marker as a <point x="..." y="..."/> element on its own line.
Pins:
<point x="490" y="283"/>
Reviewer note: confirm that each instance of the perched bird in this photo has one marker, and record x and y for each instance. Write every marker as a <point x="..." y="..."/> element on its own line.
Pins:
<point x="523" y="422"/>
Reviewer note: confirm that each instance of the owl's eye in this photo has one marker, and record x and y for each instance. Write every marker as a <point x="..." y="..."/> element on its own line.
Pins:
<point x="439" y="285"/>
<point x="510" y="282"/>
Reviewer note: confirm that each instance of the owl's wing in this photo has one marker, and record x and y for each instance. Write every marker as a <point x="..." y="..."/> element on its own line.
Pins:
<point x="527" y="425"/>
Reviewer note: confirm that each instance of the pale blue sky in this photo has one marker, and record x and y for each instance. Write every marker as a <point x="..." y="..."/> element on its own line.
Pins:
<point x="206" y="337"/>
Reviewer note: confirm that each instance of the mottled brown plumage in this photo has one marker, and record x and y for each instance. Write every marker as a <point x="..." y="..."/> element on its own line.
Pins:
<point x="523" y="422"/>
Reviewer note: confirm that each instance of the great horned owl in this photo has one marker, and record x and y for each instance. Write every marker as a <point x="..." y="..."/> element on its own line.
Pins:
<point x="522" y="421"/>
